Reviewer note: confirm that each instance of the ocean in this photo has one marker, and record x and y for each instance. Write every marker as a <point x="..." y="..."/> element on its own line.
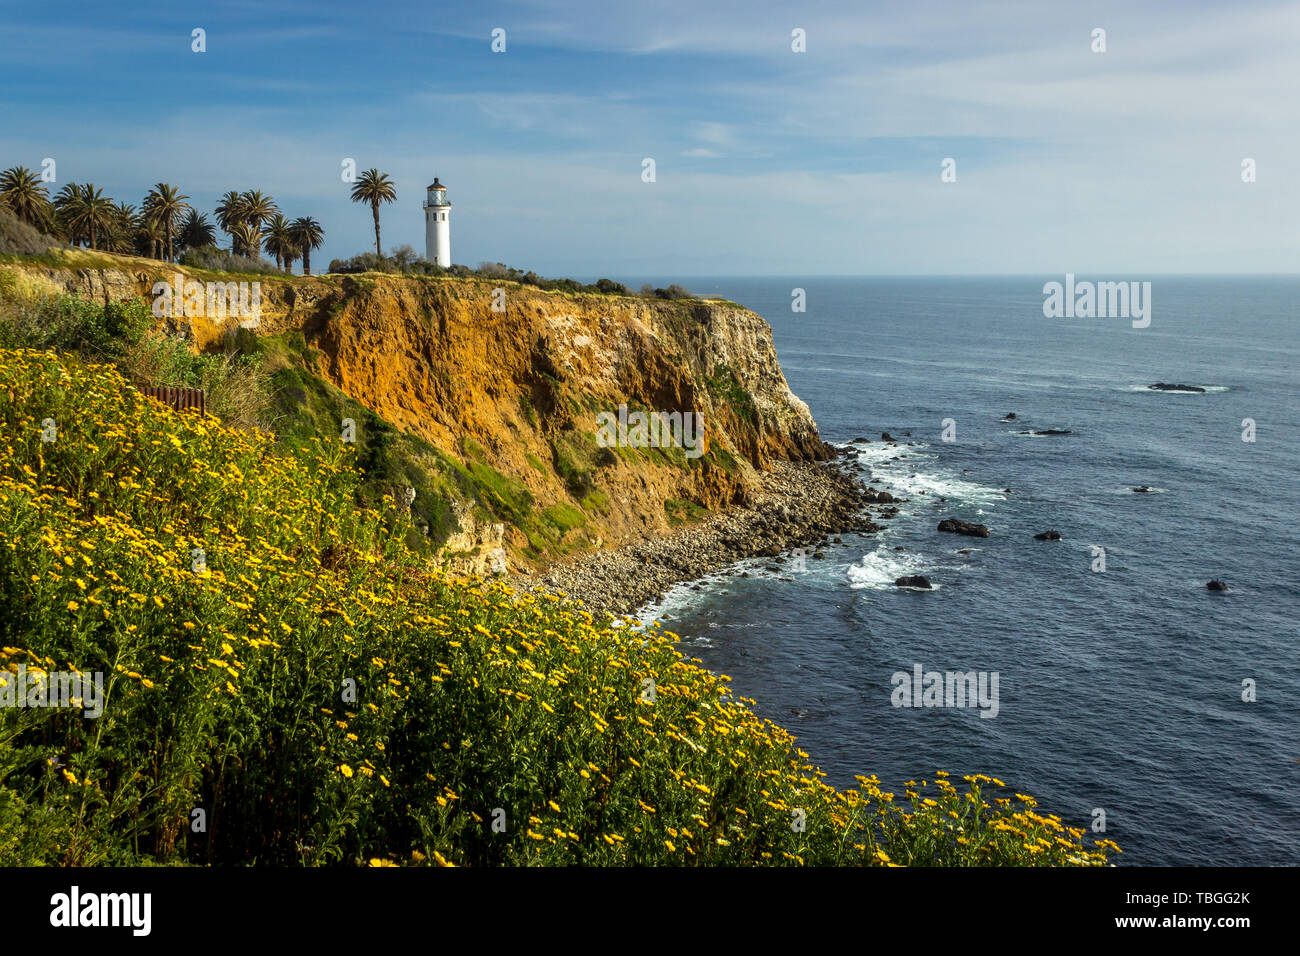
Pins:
<point x="1130" y="691"/>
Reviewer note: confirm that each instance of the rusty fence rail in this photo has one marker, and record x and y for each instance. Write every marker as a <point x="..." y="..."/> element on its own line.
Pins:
<point x="181" y="399"/>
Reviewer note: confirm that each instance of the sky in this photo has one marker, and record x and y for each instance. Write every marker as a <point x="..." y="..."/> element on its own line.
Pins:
<point x="767" y="161"/>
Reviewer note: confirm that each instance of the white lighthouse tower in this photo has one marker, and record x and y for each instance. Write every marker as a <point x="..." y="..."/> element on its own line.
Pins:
<point x="437" y="231"/>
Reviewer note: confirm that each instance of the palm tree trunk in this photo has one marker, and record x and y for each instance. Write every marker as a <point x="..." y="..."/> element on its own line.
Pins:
<point x="306" y="262"/>
<point x="374" y="207"/>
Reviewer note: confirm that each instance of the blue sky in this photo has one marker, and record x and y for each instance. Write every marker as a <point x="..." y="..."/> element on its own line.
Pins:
<point x="768" y="161"/>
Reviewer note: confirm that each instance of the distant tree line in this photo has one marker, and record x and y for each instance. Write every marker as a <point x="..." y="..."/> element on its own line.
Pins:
<point x="164" y="226"/>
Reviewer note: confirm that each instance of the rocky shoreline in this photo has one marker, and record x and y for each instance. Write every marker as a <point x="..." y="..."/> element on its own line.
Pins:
<point x="801" y="504"/>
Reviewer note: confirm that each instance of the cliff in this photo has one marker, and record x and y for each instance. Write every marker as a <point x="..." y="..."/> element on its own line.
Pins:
<point x="495" y="391"/>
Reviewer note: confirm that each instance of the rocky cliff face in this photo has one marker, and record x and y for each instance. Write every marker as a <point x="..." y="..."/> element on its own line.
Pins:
<point x="510" y="380"/>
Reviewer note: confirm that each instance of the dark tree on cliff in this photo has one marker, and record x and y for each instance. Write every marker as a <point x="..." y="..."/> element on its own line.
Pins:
<point x="258" y="210"/>
<point x="149" y="237"/>
<point x="88" y="212"/>
<point x="245" y="240"/>
<point x="23" y="194"/>
<point x="165" y="204"/>
<point x="230" y="212"/>
<point x="374" y="188"/>
<point x="197" y="232"/>
<point x="307" y="235"/>
<point x="119" y="237"/>
<point x="279" y="241"/>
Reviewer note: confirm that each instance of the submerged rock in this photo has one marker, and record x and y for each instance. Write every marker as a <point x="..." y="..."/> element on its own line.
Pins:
<point x="1167" y="387"/>
<point x="1217" y="585"/>
<point x="1052" y="535"/>
<point x="1048" y="431"/>
<point x="1009" y="417"/>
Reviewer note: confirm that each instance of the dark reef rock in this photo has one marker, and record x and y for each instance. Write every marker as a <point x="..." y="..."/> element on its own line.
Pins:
<point x="913" y="581"/>
<point x="1217" y="585"/>
<point x="1048" y="431"/>
<point x="1009" y="417"/>
<point x="885" y="436"/>
<point x="1167" y="387"/>
<point x="953" y="526"/>
<point x="1142" y="489"/>
<point x="1048" y="536"/>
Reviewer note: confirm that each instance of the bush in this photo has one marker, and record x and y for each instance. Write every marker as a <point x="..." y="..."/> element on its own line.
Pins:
<point x="219" y="260"/>
<point x="610" y="287"/>
<point x="102" y="333"/>
<point x="404" y="261"/>
<point x="326" y="698"/>
<point x="120" y="333"/>
<point x="236" y="386"/>
<point x="674" y="291"/>
<point x="17" y="238"/>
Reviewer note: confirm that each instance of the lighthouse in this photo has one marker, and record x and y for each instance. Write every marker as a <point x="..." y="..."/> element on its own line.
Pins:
<point x="437" y="231"/>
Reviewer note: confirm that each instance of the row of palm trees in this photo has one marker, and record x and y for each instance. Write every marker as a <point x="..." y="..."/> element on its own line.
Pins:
<point x="164" y="226"/>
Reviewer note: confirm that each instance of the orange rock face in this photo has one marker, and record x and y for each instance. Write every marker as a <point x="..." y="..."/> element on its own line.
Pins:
<point x="521" y="375"/>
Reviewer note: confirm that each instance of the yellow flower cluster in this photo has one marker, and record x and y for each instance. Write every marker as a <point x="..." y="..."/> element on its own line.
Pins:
<point x="275" y="654"/>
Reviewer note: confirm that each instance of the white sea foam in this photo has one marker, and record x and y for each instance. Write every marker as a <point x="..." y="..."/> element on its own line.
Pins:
<point x="1157" y="391"/>
<point x="878" y="570"/>
<point x="905" y="478"/>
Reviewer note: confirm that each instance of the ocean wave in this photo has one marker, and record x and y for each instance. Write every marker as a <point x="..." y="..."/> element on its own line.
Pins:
<point x="878" y="570"/>
<point x="905" y="478"/>
<point x="1157" y="391"/>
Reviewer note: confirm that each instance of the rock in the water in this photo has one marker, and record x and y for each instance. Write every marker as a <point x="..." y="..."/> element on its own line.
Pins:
<point x="1142" y="489"/>
<point x="953" y="526"/>
<point x="1048" y="431"/>
<point x="963" y="550"/>
<point x="913" y="581"/>
<point x="1217" y="585"/>
<point x="885" y="436"/>
<point x="1052" y="535"/>
<point x="1168" y="387"/>
<point x="1009" y="417"/>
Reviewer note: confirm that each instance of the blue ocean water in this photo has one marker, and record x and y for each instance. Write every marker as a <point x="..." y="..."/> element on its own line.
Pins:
<point x="1119" y="690"/>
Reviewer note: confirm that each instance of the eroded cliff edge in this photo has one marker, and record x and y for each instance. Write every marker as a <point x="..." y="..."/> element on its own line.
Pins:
<point x="497" y="407"/>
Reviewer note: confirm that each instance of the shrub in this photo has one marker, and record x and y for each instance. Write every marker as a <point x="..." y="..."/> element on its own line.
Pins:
<point x="102" y="333"/>
<point x="20" y="239"/>
<point x="219" y="260"/>
<point x="326" y="698"/>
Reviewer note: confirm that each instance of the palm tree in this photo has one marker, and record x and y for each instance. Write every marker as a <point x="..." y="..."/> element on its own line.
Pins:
<point x="149" y="236"/>
<point x="307" y="235"/>
<point x="120" y="235"/>
<point x="374" y="187"/>
<point x="231" y="209"/>
<point x="258" y="210"/>
<point x="196" y="231"/>
<point x="166" y="204"/>
<point x="69" y="197"/>
<point x="279" y="241"/>
<point x="90" y="213"/>
<point x="244" y="240"/>
<point x="23" y="194"/>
